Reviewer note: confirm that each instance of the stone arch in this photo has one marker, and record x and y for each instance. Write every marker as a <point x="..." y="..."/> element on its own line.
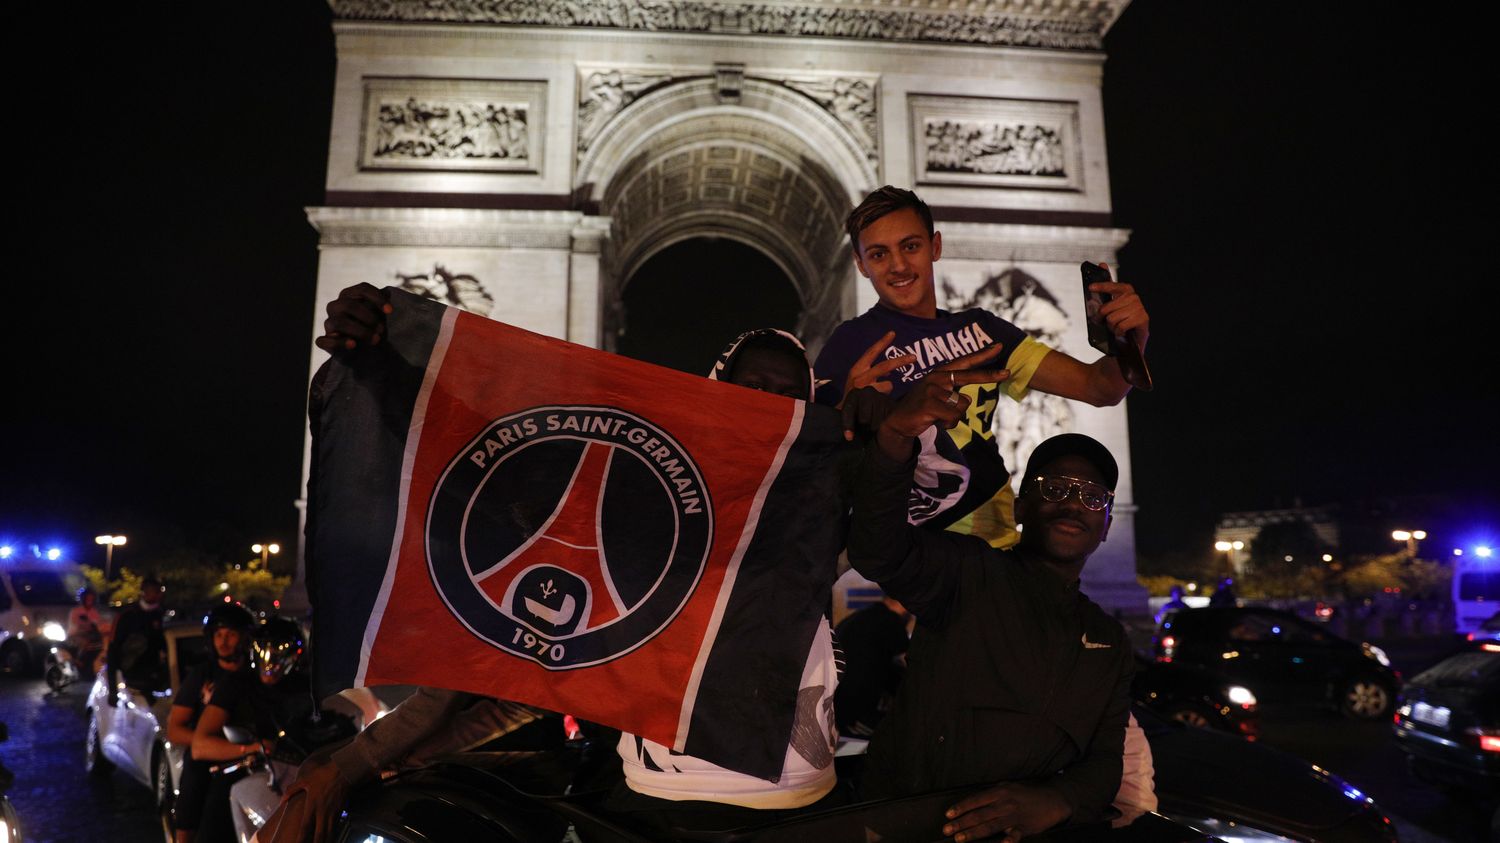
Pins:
<point x="767" y="167"/>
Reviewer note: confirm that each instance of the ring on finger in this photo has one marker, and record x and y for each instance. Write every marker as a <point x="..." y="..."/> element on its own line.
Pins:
<point x="953" y="398"/>
<point x="952" y="382"/>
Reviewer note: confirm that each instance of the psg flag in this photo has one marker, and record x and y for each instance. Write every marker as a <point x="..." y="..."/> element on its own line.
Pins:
<point x="498" y="512"/>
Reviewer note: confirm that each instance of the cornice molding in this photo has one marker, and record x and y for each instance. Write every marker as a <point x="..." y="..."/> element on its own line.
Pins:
<point x="1051" y="24"/>
<point x="1047" y="243"/>
<point x="445" y="227"/>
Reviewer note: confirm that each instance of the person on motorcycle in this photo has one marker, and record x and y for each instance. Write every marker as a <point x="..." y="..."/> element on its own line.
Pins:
<point x="203" y="802"/>
<point x="86" y="630"/>
<point x="283" y="702"/>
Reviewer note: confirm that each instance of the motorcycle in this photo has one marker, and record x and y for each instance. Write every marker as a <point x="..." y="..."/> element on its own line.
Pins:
<point x="61" y="667"/>
<point x="251" y="802"/>
<point x="10" y="824"/>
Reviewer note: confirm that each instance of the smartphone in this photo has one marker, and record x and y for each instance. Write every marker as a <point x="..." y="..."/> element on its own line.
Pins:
<point x="1125" y="349"/>
<point x="1099" y="336"/>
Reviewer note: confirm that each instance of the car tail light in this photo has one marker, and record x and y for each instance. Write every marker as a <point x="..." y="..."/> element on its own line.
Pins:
<point x="1168" y="648"/>
<point x="1489" y="742"/>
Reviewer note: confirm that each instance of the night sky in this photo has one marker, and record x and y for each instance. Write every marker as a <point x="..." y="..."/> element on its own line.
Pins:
<point x="1308" y="185"/>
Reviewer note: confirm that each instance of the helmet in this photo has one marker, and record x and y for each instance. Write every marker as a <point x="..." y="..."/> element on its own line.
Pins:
<point x="277" y="648"/>
<point x="229" y="615"/>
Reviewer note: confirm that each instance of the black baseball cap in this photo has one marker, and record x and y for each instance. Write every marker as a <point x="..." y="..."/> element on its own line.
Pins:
<point x="1071" y="445"/>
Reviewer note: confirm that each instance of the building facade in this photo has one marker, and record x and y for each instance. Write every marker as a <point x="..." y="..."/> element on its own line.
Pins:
<point x="526" y="159"/>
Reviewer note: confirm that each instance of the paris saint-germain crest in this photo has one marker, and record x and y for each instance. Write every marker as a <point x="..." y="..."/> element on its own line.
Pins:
<point x="569" y="535"/>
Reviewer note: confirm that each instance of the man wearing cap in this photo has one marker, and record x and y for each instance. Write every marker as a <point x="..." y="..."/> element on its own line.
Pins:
<point x="1017" y="684"/>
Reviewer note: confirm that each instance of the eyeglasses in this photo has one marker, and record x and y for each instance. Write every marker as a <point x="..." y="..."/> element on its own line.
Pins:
<point x="1057" y="487"/>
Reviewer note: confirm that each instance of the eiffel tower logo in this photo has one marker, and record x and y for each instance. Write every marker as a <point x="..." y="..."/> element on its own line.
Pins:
<point x="558" y="581"/>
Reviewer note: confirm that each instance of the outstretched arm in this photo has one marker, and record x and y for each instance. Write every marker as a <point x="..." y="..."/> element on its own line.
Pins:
<point x="1099" y="383"/>
<point x="911" y="564"/>
<point x="431" y="722"/>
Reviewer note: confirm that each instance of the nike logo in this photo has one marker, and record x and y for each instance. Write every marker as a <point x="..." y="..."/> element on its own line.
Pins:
<point x="1092" y="645"/>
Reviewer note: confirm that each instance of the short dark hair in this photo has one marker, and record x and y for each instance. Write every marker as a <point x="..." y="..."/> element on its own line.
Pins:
<point x="884" y="201"/>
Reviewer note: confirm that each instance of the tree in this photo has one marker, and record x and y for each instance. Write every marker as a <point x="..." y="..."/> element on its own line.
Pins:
<point x="1286" y="561"/>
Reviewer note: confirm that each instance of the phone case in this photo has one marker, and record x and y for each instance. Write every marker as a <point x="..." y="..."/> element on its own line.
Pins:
<point x="1124" y="349"/>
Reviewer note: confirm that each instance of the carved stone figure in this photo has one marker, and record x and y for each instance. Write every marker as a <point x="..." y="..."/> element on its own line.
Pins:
<point x="605" y="93"/>
<point x="851" y="101"/>
<point x="432" y="129"/>
<point x="989" y="148"/>
<point x="465" y="291"/>
<point x="1022" y="300"/>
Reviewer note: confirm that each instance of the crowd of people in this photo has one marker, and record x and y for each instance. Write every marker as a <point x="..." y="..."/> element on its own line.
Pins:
<point x="1012" y="682"/>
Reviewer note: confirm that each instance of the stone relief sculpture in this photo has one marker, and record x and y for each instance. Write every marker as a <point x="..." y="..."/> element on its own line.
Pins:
<point x="427" y="129"/>
<point x="462" y="290"/>
<point x="1022" y="300"/>
<point x="605" y="93"/>
<point x="463" y="125"/>
<point x="851" y="101"/>
<point x="995" y="142"/>
<point x="1055" y="24"/>
<point x="989" y="148"/>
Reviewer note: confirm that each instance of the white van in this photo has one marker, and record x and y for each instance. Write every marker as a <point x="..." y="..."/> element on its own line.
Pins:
<point x="35" y="599"/>
<point x="1476" y="591"/>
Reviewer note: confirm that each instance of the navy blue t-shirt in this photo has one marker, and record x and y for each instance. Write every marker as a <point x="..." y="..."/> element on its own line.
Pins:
<point x="960" y="470"/>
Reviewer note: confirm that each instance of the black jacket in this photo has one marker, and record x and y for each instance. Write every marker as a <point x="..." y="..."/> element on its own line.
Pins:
<point x="1013" y="675"/>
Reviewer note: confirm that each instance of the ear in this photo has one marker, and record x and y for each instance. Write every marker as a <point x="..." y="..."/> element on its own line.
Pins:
<point x="937" y="245"/>
<point x="1023" y="507"/>
<point x="859" y="264"/>
<point x="1109" y="517"/>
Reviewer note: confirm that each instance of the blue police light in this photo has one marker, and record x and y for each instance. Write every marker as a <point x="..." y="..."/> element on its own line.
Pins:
<point x="1484" y="551"/>
<point x="54" y="554"/>
<point x="6" y="551"/>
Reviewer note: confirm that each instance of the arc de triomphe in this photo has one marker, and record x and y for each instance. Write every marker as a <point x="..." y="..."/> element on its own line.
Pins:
<point x="525" y="159"/>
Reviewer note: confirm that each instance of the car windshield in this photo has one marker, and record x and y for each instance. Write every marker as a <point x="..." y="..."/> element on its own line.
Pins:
<point x="41" y="588"/>
<point x="1479" y="585"/>
<point x="1476" y="670"/>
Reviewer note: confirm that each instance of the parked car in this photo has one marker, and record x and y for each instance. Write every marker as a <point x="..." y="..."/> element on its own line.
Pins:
<point x="1281" y="658"/>
<point x="1208" y="783"/>
<point x="1195" y="697"/>
<point x="1244" y="791"/>
<point x="534" y="797"/>
<point x="34" y="604"/>
<point x="132" y="736"/>
<point x="1448" y="723"/>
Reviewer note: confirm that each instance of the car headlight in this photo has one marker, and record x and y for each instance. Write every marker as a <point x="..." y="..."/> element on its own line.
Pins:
<point x="1378" y="655"/>
<point x="1230" y="831"/>
<point x="1240" y="695"/>
<point x="53" y="631"/>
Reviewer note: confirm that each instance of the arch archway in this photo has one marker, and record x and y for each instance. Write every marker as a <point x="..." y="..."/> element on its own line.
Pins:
<point x="677" y="315"/>
<point x="771" y="170"/>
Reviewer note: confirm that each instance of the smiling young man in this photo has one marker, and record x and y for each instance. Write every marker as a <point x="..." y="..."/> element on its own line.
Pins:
<point x="895" y="247"/>
<point x="1017" y="684"/>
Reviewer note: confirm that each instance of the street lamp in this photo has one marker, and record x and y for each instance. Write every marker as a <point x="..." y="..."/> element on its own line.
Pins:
<point x="1411" y="537"/>
<point x="265" y="551"/>
<point x="110" y="543"/>
<point x="1228" y="549"/>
